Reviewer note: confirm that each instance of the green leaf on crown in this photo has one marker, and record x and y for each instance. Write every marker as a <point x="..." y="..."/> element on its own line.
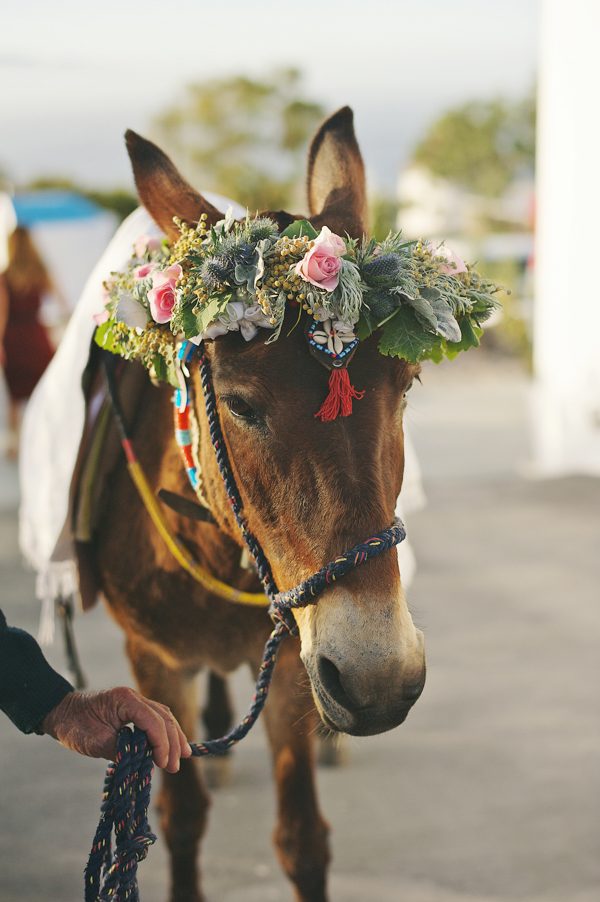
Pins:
<point x="365" y="326"/>
<point x="103" y="336"/>
<point x="300" y="228"/>
<point x="185" y="320"/>
<point x="160" y="368"/>
<point x="210" y="311"/>
<point x="403" y="336"/>
<point x="470" y="336"/>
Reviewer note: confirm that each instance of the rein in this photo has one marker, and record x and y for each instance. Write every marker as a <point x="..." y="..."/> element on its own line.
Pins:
<point x="126" y="796"/>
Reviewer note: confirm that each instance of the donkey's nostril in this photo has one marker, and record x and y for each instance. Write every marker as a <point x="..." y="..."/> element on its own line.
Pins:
<point x="331" y="682"/>
<point x="412" y="691"/>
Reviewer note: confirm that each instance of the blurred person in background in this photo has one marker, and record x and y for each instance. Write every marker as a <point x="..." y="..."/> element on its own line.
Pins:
<point x="25" y="348"/>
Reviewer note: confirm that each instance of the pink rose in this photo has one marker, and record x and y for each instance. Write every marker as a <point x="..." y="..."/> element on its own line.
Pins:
<point x="321" y="265"/>
<point x="453" y="263"/>
<point x="162" y="295"/>
<point x="330" y="243"/>
<point x="142" y="272"/>
<point x="147" y="243"/>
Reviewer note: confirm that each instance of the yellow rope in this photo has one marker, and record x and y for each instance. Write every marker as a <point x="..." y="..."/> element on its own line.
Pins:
<point x="181" y="555"/>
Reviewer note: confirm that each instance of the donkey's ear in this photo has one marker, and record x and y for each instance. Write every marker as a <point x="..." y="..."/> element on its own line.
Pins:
<point x="336" y="177"/>
<point x="162" y="190"/>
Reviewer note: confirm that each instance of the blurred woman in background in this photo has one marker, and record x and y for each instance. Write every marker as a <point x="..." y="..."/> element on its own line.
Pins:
<point x="25" y="348"/>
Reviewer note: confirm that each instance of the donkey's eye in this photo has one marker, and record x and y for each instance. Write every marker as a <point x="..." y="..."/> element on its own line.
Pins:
<point x="411" y="383"/>
<point x="241" y="409"/>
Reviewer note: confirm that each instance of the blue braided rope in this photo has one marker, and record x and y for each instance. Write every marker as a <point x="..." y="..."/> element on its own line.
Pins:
<point x="224" y="464"/>
<point x="126" y="795"/>
<point x="308" y="591"/>
<point x="125" y="810"/>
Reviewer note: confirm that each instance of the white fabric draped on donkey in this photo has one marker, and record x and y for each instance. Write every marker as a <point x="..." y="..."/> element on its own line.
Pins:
<point x="53" y="426"/>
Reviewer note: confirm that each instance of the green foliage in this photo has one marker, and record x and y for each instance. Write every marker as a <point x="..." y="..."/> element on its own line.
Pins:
<point x="223" y="282"/>
<point x="481" y="145"/>
<point x="242" y="136"/>
<point x="207" y="314"/>
<point x="512" y="334"/>
<point x="404" y="336"/>
<point x="299" y="228"/>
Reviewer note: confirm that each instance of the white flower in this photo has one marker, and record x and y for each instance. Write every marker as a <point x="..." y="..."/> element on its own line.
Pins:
<point x="237" y="316"/>
<point x="335" y="335"/>
<point x="253" y="318"/>
<point x="213" y="331"/>
<point x="226" y="223"/>
<point x="254" y="314"/>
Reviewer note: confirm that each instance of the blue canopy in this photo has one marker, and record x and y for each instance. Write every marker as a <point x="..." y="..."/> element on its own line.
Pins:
<point x="34" y="207"/>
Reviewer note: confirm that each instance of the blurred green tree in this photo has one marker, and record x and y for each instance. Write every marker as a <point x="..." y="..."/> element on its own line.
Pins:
<point x="243" y="137"/>
<point x="481" y="145"/>
<point x="383" y="215"/>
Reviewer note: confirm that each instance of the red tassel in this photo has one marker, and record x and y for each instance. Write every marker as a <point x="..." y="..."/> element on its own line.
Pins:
<point x="339" y="400"/>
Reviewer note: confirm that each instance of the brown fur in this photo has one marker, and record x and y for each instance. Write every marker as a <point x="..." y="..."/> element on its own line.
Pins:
<point x="310" y="490"/>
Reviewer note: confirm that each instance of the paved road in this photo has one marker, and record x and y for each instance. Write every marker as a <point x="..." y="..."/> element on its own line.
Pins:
<point x="489" y="792"/>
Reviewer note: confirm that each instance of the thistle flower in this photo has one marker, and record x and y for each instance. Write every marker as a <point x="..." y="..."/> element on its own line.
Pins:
<point x="216" y="270"/>
<point x="383" y="271"/>
<point x="245" y="254"/>
<point x="382" y="304"/>
<point x="261" y="229"/>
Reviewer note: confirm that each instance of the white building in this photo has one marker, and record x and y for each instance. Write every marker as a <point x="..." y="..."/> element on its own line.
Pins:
<point x="566" y="409"/>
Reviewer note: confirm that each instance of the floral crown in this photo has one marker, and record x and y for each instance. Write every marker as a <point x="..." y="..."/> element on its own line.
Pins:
<point x="423" y="300"/>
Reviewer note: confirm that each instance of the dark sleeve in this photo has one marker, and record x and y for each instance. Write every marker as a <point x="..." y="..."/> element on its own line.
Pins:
<point x="29" y="687"/>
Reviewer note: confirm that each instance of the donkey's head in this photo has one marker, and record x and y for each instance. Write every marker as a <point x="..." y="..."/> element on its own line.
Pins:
<point x="312" y="489"/>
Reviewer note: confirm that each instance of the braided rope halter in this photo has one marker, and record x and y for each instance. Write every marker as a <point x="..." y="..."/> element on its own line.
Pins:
<point x="113" y="875"/>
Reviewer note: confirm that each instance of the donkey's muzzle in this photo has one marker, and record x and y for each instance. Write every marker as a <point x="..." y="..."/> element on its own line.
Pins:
<point x="351" y="701"/>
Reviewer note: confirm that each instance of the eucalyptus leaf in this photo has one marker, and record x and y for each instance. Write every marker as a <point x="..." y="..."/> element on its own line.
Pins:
<point x="424" y="312"/>
<point x="447" y="325"/>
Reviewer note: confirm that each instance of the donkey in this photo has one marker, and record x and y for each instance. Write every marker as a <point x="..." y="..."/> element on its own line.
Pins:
<point x="310" y="490"/>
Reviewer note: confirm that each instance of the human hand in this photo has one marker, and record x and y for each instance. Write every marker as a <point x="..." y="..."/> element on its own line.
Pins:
<point x="88" y="723"/>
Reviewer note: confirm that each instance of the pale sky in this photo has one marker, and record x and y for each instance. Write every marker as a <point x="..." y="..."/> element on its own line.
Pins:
<point x="74" y="76"/>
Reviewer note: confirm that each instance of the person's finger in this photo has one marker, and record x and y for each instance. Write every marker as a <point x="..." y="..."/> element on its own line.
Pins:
<point x="186" y="749"/>
<point x="163" y="710"/>
<point x="174" y="744"/>
<point x="146" y="718"/>
<point x="173" y="733"/>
